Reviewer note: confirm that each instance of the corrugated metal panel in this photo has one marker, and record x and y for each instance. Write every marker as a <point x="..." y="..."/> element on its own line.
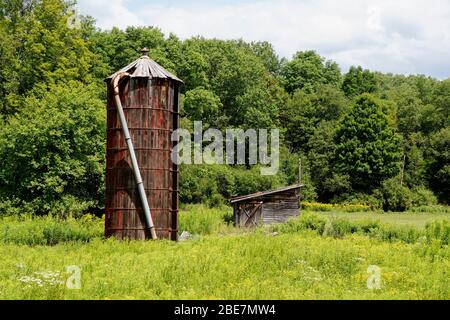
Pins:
<point x="151" y="109"/>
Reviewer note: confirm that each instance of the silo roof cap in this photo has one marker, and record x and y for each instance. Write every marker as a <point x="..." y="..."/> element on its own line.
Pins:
<point x="144" y="67"/>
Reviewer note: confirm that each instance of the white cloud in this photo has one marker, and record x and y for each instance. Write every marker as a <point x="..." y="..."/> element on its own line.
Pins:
<point x="109" y="13"/>
<point x="402" y="36"/>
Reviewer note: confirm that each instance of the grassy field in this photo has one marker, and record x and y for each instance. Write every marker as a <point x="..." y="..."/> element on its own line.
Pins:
<point x="416" y="219"/>
<point x="317" y="256"/>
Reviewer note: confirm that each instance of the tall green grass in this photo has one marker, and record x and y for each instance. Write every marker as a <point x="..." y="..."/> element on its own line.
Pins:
<point x="48" y="230"/>
<point x="339" y="227"/>
<point x="244" y="266"/>
<point x="430" y="209"/>
<point x="439" y="231"/>
<point x="202" y="220"/>
<point x="310" y="257"/>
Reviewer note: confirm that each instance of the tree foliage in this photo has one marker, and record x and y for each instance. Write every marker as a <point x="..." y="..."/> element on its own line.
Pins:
<point x="53" y="150"/>
<point x="202" y="104"/>
<point x="350" y="131"/>
<point x="439" y="164"/>
<point x="358" y="81"/>
<point x="367" y="150"/>
<point x="304" y="111"/>
<point x="40" y="49"/>
<point x="307" y="69"/>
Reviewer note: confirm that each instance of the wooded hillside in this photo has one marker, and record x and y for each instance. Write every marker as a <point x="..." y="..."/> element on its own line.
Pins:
<point x="362" y="136"/>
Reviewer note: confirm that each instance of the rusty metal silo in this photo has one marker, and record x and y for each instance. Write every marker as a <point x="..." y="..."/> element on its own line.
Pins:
<point x="149" y="95"/>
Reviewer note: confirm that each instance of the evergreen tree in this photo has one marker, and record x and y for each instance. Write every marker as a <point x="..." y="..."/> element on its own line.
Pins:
<point x="367" y="150"/>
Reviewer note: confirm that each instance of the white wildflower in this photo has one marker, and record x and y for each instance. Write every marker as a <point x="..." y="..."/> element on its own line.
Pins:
<point x="42" y="278"/>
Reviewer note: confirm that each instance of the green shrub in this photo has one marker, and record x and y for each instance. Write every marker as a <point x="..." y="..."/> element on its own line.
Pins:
<point x="213" y="184"/>
<point x="306" y="221"/>
<point x="357" y="198"/>
<point x="313" y="222"/>
<point x="337" y="184"/>
<point x="368" y="226"/>
<point x="10" y="207"/>
<point x="225" y="181"/>
<point x="250" y="181"/>
<point x="395" y="196"/>
<point x="339" y="227"/>
<point x="216" y="200"/>
<point x="197" y="183"/>
<point x="421" y="196"/>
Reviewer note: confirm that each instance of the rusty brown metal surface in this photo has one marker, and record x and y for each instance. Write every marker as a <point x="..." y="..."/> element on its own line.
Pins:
<point x="151" y="109"/>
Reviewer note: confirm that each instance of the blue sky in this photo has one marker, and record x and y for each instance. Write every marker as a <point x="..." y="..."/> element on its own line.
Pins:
<point x="398" y="36"/>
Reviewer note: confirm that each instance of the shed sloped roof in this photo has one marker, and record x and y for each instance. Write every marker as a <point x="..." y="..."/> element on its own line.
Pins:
<point x="264" y="193"/>
<point x="144" y="67"/>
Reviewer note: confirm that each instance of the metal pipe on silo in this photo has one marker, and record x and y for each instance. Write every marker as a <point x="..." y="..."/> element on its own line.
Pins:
<point x="134" y="163"/>
<point x="149" y="101"/>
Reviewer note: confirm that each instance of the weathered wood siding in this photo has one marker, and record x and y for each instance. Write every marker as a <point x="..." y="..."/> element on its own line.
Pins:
<point x="277" y="207"/>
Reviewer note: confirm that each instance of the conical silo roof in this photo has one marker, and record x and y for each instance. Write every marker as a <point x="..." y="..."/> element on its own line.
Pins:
<point x="144" y="67"/>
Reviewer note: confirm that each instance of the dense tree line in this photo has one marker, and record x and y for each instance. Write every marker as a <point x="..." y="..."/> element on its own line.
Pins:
<point x="361" y="136"/>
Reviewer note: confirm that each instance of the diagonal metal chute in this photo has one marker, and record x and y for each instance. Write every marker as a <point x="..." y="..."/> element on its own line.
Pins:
<point x="134" y="163"/>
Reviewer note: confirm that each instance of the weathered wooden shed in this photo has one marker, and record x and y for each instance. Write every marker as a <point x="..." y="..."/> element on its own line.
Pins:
<point x="269" y="207"/>
<point x="150" y="96"/>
